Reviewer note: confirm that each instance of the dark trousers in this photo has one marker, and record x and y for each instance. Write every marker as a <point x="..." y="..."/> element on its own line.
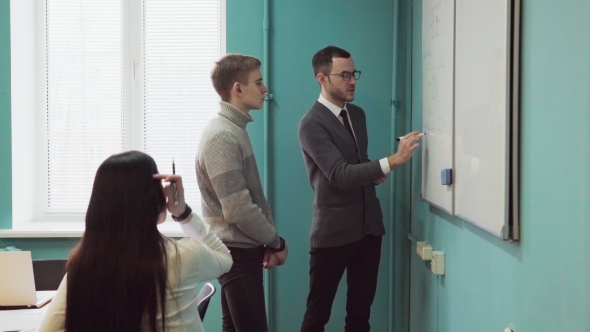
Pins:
<point x="242" y="292"/>
<point x="327" y="265"/>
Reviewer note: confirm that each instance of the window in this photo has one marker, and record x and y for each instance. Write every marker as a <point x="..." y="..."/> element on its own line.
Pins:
<point x="120" y="75"/>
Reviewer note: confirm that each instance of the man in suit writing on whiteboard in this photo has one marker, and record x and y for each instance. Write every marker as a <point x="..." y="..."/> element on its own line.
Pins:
<point x="347" y="223"/>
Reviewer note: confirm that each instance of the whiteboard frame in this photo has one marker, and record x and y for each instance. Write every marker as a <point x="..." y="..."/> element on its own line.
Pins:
<point x="512" y="230"/>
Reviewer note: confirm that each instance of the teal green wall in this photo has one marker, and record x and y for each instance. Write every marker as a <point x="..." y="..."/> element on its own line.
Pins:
<point x="244" y="35"/>
<point x="298" y="30"/>
<point x="5" y="149"/>
<point x="540" y="283"/>
<point x="402" y="185"/>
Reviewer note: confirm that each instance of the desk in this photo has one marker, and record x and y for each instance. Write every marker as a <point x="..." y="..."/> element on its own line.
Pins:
<point x="25" y="320"/>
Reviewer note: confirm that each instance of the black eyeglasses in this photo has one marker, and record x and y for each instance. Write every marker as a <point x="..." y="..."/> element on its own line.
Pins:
<point x="346" y="75"/>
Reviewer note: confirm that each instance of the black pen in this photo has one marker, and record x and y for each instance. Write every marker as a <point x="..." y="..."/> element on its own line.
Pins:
<point x="174" y="189"/>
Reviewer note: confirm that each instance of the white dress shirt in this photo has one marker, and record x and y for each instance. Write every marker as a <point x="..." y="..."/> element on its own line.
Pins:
<point x="336" y="110"/>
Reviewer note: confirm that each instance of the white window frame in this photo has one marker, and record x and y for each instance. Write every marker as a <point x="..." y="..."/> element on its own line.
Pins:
<point x="29" y="162"/>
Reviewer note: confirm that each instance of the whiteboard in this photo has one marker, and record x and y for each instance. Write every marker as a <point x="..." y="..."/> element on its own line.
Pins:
<point x="437" y="100"/>
<point x="482" y="113"/>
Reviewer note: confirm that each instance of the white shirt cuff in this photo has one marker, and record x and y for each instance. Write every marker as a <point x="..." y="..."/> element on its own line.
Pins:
<point x="384" y="165"/>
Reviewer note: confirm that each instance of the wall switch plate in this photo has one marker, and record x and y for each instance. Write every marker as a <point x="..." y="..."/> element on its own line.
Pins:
<point x="437" y="263"/>
<point x="424" y="250"/>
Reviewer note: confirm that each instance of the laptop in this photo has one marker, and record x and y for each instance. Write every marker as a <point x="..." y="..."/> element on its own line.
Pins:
<point x="17" y="283"/>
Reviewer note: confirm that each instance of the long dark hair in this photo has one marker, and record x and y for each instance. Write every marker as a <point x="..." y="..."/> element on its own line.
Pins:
<point x="117" y="272"/>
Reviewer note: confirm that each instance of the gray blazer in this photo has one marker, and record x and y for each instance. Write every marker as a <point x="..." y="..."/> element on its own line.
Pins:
<point x="346" y="207"/>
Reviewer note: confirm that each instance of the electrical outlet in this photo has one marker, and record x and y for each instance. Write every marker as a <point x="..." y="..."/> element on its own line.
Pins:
<point x="424" y="250"/>
<point x="437" y="264"/>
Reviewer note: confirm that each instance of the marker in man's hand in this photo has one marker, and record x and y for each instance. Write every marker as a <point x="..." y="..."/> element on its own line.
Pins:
<point x="399" y="138"/>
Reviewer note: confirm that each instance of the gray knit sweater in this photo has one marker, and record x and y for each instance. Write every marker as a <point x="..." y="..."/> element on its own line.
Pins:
<point x="233" y="202"/>
<point x="345" y="206"/>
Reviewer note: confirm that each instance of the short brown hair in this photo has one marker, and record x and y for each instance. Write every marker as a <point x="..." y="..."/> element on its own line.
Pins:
<point x="230" y="69"/>
<point x="322" y="60"/>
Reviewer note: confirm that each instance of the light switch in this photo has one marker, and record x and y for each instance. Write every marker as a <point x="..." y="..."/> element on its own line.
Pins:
<point x="424" y="250"/>
<point x="437" y="263"/>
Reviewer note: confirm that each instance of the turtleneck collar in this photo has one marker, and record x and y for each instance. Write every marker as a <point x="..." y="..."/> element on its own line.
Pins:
<point x="236" y="116"/>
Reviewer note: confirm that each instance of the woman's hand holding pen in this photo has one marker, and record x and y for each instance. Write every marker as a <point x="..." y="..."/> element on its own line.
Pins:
<point x="174" y="209"/>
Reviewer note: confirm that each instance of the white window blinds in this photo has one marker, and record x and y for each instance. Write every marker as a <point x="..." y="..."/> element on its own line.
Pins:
<point x="182" y="39"/>
<point x="85" y="97"/>
<point x="106" y="95"/>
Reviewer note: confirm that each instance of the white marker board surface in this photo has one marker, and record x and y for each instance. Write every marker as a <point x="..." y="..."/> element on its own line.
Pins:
<point x="483" y="56"/>
<point x="470" y="110"/>
<point x="437" y="100"/>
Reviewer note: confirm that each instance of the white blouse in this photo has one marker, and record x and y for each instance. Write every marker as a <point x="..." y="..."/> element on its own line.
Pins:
<point x="202" y="257"/>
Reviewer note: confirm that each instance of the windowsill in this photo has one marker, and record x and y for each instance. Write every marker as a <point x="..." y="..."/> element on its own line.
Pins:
<point x="69" y="229"/>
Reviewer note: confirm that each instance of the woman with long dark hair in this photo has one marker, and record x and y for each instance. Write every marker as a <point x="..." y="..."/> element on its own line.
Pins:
<point x="124" y="275"/>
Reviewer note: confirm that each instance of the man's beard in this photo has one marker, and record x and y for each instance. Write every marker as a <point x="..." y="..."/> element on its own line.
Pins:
<point x="338" y="94"/>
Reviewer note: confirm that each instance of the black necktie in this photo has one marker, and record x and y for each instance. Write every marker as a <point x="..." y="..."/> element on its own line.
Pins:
<point x="344" y="116"/>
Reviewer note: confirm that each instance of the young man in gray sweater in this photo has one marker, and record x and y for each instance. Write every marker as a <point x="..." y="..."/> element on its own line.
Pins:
<point x="347" y="223"/>
<point x="233" y="202"/>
